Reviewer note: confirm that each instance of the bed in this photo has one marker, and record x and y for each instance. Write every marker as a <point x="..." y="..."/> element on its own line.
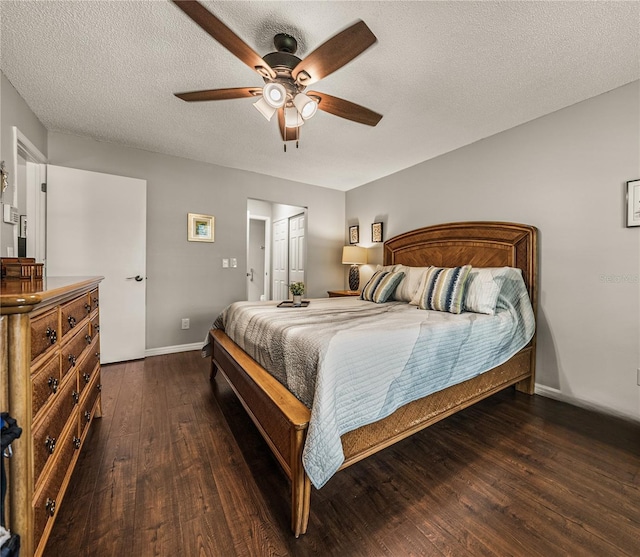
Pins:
<point x="284" y="420"/>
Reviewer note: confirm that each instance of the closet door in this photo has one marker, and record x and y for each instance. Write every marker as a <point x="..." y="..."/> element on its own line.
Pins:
<point x="96" y="225"/>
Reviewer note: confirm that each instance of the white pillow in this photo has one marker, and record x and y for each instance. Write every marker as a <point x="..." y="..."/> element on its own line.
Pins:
<point x="387" y="268"/>
<point x="483" y="287"/>
<point x="408" y="287"/>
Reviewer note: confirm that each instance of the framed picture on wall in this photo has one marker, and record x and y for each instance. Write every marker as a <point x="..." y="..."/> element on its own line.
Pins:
<point x="376" y="232"/>
<point x="354" y="234"/>
<point x="200" y="228"/>
<point x="633" y="203"/>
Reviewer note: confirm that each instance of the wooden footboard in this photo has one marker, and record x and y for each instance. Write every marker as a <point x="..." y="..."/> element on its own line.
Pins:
<point x="279" y="416"/>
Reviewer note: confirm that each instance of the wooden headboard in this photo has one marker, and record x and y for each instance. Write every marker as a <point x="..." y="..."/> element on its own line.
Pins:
<point x="480" y="244"/>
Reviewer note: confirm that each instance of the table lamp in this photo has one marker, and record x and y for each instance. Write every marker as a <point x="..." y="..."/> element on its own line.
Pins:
<point x="354" y="256"/>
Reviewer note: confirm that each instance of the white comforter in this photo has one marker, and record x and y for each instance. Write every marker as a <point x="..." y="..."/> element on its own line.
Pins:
<point x="355" y="362"/>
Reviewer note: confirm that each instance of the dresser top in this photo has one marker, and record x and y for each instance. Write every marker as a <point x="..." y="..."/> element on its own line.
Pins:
<point x="22" y="296"/>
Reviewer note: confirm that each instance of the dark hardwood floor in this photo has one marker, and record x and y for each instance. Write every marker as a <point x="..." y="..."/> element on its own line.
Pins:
<point x="176" y="468"/>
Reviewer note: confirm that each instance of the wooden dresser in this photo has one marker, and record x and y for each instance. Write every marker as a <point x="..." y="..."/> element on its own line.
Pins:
<point x="49" y="382"/>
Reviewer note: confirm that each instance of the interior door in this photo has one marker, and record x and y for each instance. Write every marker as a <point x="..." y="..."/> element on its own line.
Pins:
<point x="96" y="225"/>
<point x="280" y="260"/>
<point x="256" y="260"/>
<point x="296" y="248"/>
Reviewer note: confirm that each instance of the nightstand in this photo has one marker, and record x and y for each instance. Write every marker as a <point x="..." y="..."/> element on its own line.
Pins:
<point x="342" y="293"/>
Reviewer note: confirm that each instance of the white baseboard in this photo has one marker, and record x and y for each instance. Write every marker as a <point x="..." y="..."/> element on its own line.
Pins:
<point x="172" y="349"/>
<point x="556" y="394"/>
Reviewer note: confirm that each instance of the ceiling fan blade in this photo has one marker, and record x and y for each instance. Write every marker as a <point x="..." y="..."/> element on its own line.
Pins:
<point x="220" y="94"/>
<point x="334" y="53"/>
<point x="288" y="134"/>
<point x="345" y="109"/>
<point x="225" y="36"/>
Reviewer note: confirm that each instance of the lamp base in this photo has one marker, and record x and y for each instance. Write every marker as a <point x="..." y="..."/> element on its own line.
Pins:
<point x="354" y="277"/>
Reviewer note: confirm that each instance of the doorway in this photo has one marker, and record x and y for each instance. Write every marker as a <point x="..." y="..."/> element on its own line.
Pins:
<point x="276" y="248"/>
<point x="97" y="225"/>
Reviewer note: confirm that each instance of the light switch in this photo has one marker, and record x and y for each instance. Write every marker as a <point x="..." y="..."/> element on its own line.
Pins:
<point x="225" y="263"/>
<point x="234" y="262"/>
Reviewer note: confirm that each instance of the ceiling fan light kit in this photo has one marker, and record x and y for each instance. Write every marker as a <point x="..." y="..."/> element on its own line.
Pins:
<point x="264" y="108"/>
<point x="274" y="94"/>
<point x="287" y="76"/>
<point x="292" y="118"/>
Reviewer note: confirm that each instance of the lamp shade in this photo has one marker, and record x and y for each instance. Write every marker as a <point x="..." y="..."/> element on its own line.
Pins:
<point x="354" y="255"/>
<point x="274" y="94"/>
<point x="264" y="108"/>
<point x="306" y="105"/>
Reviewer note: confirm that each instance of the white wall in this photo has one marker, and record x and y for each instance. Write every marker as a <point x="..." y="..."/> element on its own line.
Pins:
<point x="15" y="112"/>
<point x="186" y="279"/>
<point x="564" y="173"/>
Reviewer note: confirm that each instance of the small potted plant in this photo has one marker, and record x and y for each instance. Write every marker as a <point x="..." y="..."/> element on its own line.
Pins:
<point x="297" y="289"/>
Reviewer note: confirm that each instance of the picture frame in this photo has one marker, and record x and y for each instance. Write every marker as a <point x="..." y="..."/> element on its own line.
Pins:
<point x="354" y="234"/>
<point x="633" y="203"/>
<point x="376" y="232"/>
<point x="22" y="231"/>
<point x="200" y="228"/>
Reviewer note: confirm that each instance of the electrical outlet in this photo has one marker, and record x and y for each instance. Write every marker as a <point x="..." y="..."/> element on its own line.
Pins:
<point x="234" y="262"/>
<point x="185" y="322"/>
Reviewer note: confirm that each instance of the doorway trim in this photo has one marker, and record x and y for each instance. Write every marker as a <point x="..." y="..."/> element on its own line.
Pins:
<point x="267" y="252"/>
<point x="36" y="198"/>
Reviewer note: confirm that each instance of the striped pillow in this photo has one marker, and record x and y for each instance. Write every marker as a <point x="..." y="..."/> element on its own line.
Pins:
<point x="444" y="289"/>
<point x="381" y="286"/>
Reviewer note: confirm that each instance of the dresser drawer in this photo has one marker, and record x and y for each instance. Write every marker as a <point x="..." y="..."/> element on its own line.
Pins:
<point x="45" y="383"/>
<point x="95" y="324"/>
<point x="47" y="503"/>
<point x="45" y="333"/>
<point x="94" y="299"/>
<point x="89" y="401"/>
<point x="85" y="372"/>
<point x="73" y="313"/>
<point x="72" y="351"/>
<point x="46" y="435"/>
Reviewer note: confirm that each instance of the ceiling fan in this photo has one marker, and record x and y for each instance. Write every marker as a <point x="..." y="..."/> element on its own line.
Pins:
<point x="285" y="75"/>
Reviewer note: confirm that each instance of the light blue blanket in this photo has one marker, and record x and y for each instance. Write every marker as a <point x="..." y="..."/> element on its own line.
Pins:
<point x="355" y="362"/>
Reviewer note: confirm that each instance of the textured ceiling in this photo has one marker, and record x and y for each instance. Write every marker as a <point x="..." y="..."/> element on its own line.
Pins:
<point x="443" y="74"/>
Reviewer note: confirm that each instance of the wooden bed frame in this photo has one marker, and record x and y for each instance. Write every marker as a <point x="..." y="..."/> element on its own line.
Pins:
<point x="283" y="420"/>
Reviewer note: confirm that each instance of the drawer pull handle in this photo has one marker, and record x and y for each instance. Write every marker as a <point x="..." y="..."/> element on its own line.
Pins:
<point x="99" y="386"/>
<point x="72" y="321"/>
<point x="72" y="360"/>
<point x="76" y="442"/>
<point x="52" y="335"/>
<point x="95" y="301"/>
<point x="98" y="355"/>
<point x="50" y="444"/>
<point x="50" y="506"/>
<point x="87" y="416"/>
<point x="86" y="377"/>
<point x="87" y="338"/>
<point x="75" y="396"/>
<point x="88" y="308"/>
<point x="53" y="384"/>
<point x="96" y="328"/>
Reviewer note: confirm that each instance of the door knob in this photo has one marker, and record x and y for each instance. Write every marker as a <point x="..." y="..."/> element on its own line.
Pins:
<point x="137" y="278"/>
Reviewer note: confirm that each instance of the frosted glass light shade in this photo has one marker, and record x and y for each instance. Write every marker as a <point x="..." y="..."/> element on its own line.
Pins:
<point x="274" y="94"/>
<point x="291" y="118"/>
<point x="264" y="108"/>
<point x="306" y="106"/>
<point x="354" y="255"/>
